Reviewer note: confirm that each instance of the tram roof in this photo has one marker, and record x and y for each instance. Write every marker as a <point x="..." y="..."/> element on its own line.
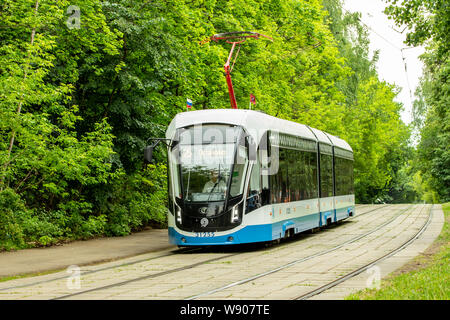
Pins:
<point x="255" y="122"/>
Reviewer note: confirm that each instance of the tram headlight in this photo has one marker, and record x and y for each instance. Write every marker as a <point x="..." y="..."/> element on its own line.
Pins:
<point x="178" y="214"/>
<point x="235" y="214"/>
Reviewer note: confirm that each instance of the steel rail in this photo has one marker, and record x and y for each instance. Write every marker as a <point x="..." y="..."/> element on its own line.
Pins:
<point x="369" y="265"/>
<point x="260" y="275"/>
<point x="179" y="251"/>
<point x="159" y="274"/>
<point x="173" y="270"/>
<point x="102" y="269"/>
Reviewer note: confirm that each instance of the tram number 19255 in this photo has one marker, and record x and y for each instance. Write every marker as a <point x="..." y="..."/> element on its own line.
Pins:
<point x="204" y="234"/>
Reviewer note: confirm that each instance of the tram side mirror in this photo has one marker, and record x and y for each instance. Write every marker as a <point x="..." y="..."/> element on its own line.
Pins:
<point x="148" y="151"/>
<point x="148" y="154"/>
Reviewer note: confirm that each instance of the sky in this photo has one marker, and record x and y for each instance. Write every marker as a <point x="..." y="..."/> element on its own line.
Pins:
<point x="388" y="39"/>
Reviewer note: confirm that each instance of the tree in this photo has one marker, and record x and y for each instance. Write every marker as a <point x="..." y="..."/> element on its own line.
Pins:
<point x="42" y="157"/>
<point x="428" y="22"/>
<point x="370" y="118"/>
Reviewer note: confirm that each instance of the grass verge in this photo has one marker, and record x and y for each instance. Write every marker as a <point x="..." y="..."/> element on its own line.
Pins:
<point x="29" y="275"/>
<point x="427" y="277"/>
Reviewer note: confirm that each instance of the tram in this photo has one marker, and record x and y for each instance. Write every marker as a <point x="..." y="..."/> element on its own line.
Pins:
<point x="242" y="176"/>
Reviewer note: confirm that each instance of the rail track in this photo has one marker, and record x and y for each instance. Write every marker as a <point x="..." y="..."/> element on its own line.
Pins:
<point x="208" y="260"/>
<point x="167" y="254"/>
<point x="163" y="273"/>
<point x="365" y="267"/>
<point x="321" y="253"/>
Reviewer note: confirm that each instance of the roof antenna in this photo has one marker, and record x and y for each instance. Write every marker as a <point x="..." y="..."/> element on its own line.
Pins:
<point x="234" y="38"/>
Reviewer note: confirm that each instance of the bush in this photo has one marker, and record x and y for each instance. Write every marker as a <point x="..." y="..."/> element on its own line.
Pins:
<point x="11" y="206"/>
<point x="94" y="226"/>
<point x="137" y="200"/>
<point x="125" y="204"/>
<point x="37" y="229"/>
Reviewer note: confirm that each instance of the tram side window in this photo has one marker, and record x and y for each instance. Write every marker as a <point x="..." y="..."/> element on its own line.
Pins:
<point x="276" y="180"/>
<point x="255" y="179"/>
<point x="254" y="188"/>
<point x="296" y="178"/>
<point x="265" y="193"/>
<point x="340" y="176"/>
<point x="344" y="176"/>
<point x="312" y="176"/>
<point x="238" y="175"/>
<point x="326" y="175"/>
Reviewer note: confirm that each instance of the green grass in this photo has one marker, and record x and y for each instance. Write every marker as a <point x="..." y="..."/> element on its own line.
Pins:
<point x="431" y="281"/>
<point x="29" y="275"/>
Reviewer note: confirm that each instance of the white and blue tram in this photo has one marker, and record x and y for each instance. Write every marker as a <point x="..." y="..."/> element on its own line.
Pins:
<point x="241" y="176"/>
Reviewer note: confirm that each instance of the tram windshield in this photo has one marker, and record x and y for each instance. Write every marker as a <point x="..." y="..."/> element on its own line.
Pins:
<point x="207" y="163"/>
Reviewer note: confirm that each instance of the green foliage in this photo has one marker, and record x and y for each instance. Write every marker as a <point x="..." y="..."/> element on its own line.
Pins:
<point x="44" y="160"/>
<point x="10" y="232"/>
<point x="137" y="200"/>
<point x="370" y="119"/>
<point x="429" y="22"/>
